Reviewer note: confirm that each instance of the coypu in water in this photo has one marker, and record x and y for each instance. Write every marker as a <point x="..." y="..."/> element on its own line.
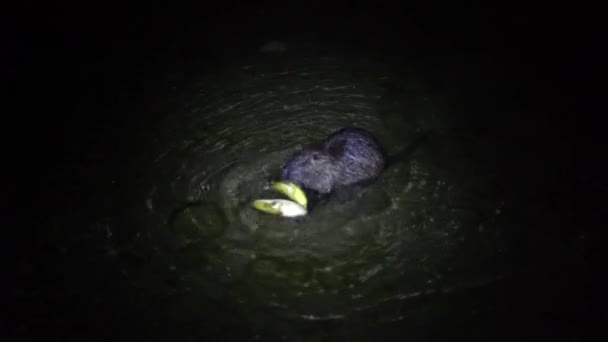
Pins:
<point x="341" y="163"/>
<point x="346" y="157"/>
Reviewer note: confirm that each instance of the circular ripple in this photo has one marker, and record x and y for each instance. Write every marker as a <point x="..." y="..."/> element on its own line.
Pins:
<point x="396" y="241"/>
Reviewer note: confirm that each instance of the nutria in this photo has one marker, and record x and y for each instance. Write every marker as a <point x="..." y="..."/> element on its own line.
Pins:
<point x="346" y="157"/>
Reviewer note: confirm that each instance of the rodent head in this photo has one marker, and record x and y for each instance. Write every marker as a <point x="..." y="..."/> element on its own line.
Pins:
<point x="312" y="169"/>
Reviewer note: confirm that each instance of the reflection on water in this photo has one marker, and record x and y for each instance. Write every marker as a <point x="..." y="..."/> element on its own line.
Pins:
<point x="431" y="225"/>
<point x="435" y="238"/>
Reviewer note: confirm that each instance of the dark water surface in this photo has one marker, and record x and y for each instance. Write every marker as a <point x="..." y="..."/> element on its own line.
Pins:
<point x="143" y="229"/>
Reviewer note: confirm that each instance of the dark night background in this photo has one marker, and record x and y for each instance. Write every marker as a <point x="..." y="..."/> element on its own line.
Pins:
<point x="87" y="83"/>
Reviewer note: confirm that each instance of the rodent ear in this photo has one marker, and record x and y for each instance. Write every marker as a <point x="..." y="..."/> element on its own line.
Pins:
<point x="336" y="149"/>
